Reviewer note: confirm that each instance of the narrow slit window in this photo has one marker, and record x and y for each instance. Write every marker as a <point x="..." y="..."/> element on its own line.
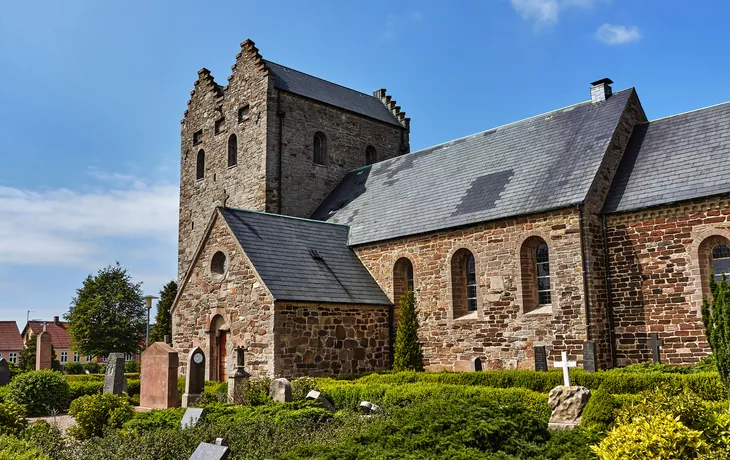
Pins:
<point x="320" y="148"/>
<point x="471" y="284"/>
<point x="200" y="166"/>
<point x="542" y="262"/>
<point x="232" y="150"/>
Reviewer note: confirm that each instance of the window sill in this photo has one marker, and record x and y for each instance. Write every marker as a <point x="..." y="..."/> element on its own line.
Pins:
<point x="232" y="166"/>
<point x="244" y="119"/>
<point x="543" y="310"/>
<point x="471" y="316"/>
<point x="220" y="132"/>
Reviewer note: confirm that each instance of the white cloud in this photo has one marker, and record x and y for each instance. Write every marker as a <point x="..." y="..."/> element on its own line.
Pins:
<point x="545" y="12"/>
<point x="394" y="22"/>
<point x="68" y="228"/>
<point x="611" y="34"/>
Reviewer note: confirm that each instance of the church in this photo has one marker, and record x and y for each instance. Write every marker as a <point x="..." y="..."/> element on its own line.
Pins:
<point x="304" y="216"/>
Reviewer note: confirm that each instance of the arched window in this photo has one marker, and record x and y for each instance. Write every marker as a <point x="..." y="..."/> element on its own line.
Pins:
<point x="402" y="278"/>
<point x="535" y="272"/>
<point x="721" y="262"/>
<point x="320" y="148"/>
<point x="463" y="283"/>
<point x="200" y="168"/>
<point x="371" y="156"/>
<point x="232" y="150"/>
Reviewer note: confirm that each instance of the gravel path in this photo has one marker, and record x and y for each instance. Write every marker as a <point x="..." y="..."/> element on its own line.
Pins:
<point x="62" y="421"/>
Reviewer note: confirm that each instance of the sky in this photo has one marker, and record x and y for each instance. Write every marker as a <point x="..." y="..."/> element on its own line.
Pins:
<point x="92" y="94"/>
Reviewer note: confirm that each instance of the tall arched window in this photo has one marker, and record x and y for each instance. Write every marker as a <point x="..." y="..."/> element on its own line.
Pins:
<point x="402" y="278"/>
<point x="320" y="148"/>
<point x="371" y="156"/>
<point x="232" y="150"/>
<point x="535" y="272"/>
<point x="200" y="167"/>
<point x="463" y="283"/>
<point x="721" y="262"/>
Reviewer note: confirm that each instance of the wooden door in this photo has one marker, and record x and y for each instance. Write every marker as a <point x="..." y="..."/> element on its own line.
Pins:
<point x="222" y="340"/>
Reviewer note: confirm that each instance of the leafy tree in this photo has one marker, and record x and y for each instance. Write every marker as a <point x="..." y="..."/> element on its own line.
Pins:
<point x="163" y="319"/>
<point x="408" y="355"/>
<point x="716" y="317"/>
<point x="26" y="359"/>
<point x="108" y="314"/>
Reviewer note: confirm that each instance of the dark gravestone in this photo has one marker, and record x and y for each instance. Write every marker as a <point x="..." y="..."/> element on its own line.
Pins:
<point x="540" y="358"/>
<point x="114" y="379"/>
<point x="4" y="372"/>
<point x="191" y="417"/>
<point x="589" y="356"/>
<point x="656" y="347"/>
<point x="476" y="364"/>
<point x="195" y="378"/>
<point x="206" y="451"/>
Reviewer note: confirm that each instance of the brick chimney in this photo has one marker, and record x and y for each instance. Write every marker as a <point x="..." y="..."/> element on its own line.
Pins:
<point x="601" y="90"/>
<point x="56" y="319"/>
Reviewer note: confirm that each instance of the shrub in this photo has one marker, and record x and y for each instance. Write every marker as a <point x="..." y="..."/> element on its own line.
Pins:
<point x="653" y="437"/>
<point x="155" y="420"/>
<point x="93" y="368"/>
<point x="301" y="387"/>
<point x="16" y="449"/>
<point x="47" y="438"/>
<point x="716" y="318"/>
<point x="12" y="418"/>
<point x="600" y="412"/>
<point x="80" y="388"/>
<point x="96" y="413"/>
<point x="408" y="355"/>
<point x="4" y="393"/>
<point x="133" y="387"/>
<point x="41" y="392"/>
<point x="73" y="368"/>
<point x="131" y="366"/>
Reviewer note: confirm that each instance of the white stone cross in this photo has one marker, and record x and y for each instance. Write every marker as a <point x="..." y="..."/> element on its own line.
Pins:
<point x="565" y="364"/>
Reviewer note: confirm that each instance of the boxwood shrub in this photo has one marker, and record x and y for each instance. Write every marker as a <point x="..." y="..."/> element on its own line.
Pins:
<point x="41" y="392"/>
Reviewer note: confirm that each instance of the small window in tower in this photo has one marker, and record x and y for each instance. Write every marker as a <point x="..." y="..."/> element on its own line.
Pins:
<point x="219" y="125"/>
<point x="371" y="156"/>
<point x="320" y="148"/>
<point x="200" y="166"/>
<point x="219" y="264"/>
<point x="198" y="137"/>
<point x="243" y="113"/>
<point x="232" y="150"/>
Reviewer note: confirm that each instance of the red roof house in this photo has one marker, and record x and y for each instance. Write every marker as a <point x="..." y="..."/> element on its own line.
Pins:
<point x="10" y="341"/>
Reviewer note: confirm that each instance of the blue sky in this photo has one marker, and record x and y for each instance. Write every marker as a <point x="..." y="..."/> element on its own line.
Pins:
<point x="92" y="93"/>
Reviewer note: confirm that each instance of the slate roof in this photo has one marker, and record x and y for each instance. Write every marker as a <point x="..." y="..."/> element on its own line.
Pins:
<point x="545" y="162"/>
<point x="674" y="159"/>
<point x="300" y="83"/>
<point x="59" y="336"/>
<point x="303" y="260"/>
<point x="10" y="339"/>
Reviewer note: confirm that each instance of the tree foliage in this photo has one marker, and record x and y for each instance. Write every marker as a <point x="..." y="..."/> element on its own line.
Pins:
<point x="108" y="314"/>
<point x="716" y="317"/>
<point x="163" y="319"/>
<point x="408" y="355"/>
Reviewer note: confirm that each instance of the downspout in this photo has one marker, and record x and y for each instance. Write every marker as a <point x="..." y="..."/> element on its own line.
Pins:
<point x="586" y="293"/>
<point x="280" y="116"/>
<point x="609" y="294"/>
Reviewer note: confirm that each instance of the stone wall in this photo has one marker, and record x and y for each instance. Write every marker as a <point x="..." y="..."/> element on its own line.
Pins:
<point x="306" y="184"/>
<point x="499" y="332"/>
<point x="238" y="296"/>
<point x="330" y="339"/>
<point x="659" y="269"/>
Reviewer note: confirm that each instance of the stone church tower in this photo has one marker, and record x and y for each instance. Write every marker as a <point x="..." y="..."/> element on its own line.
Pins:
<point x="275" y="140"/>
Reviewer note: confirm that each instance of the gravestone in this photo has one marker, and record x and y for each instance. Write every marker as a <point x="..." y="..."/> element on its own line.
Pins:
<point x="207" y="451"/>
<point x="317" y="396"/>
<point x="566" y="402"/>
<point x="476" y="364"/>
<point x="114" y="379"/>
<point x="589" y="356"/>
<point x="237" y="380"/>
<point x="280" y="390"/>
<point x="43" y="350"/>
<point x="191" y="417"/>
<point x="367" y="406"/>
<point x="195" y="377"/>
<point x="656" y="345"/>
<point x="565" y="364"/>
<point x="540" y="358"/>
<point x="158" y="377"/>
<point x="4" y="372"/>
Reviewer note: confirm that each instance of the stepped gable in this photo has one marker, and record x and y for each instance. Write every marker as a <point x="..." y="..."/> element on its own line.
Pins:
<point x="302" y="84"/>
<point x="674" y="159"/>
<point x="542" y="163"/>
<point x="302" y="259"/>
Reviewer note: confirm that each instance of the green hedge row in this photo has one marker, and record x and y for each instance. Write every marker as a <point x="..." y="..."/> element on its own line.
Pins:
<point x="706" y="384"/>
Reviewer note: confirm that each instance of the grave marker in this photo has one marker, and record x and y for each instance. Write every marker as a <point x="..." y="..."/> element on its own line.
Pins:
<point x="43" y="350"/>
<point x="195" y="378"/>
<point x="191" y="417"/>
<point x="158" y="377"/>
<point x="114" y="379"/>
<point x="4" y="372"/>
<point x="565" y="364"/>
<point x="236" y="381"/>
<point x="206" y="451"/>
<point x="280" y="390"/>
<point x="656" y="347"/>
<point x="540" y="358"/>
<point x="589" y="356"/>
<point x="317" y="396"/>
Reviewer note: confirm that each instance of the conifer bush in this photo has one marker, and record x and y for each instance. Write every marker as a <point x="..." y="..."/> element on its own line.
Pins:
<point x="408" y="355"/>
<point x="716" y="317"/>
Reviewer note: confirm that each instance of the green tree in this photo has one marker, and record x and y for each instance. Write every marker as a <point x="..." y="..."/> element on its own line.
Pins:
<point x="716" y="317"/>
<point x="408" y="355"/>
<point x="26" y="359"/>
<point x="108" y="314"/>
<point x="163" y="319"/>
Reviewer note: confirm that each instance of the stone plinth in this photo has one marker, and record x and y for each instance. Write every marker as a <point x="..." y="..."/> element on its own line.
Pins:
<point x="567" y="404"/>
<point x="158" y="377"/>
<point x="114" y="379"/>
<point x="43" y="350"/>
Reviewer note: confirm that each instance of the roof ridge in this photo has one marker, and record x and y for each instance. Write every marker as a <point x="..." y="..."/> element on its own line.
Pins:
<point x="689" y="111"/>
<point x="483" y="131"/>
<point x="283" y="216"/>
<point x="320" y="78"/>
